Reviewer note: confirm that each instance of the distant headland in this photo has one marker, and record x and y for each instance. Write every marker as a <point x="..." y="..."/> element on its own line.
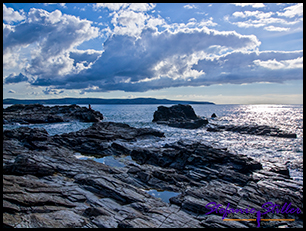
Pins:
<point x="100" y="101"/>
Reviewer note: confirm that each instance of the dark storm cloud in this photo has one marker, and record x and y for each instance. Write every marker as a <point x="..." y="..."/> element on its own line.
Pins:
<point x="15" y="78"/>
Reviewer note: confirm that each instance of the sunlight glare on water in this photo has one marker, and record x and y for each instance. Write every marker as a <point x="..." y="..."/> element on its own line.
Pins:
<point x="264" y="149"/>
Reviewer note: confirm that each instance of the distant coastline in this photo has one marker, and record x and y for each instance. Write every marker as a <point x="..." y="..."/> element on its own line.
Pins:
<point x="100" y="101"/>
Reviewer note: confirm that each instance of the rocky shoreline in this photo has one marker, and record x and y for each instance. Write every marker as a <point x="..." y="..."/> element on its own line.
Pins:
<point x="45" y="185"/>
<point x="37" y="113"/>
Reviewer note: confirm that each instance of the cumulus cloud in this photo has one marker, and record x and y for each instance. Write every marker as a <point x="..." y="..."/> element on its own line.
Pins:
<point x="53" y="36"/>
<point x="127" y="6"/>
<point x="188" y="6"/>
<point x="131" y="18"/>
<point x="250" y="67"/>
<point x="293" y="16"/>
<point x="157" y="60"/>
<point x="111" y="6"/>
<point x="292" y="11"/>
<point x="10" y="15"/>
<point x="143" y="52"/>
<point x="180" y="57"/>
<point x="11" y="91"/>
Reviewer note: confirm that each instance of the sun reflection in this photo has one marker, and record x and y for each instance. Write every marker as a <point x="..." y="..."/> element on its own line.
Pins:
<point x="266" y="108"/>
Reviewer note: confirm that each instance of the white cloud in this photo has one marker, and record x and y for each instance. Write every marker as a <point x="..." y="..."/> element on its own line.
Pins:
<point x="274" y="28"/>
<point x="111" y="6"/>
<point x="256" y="14"/>
<point x="207" y="22"/>
<point x="129" y="22"/>
<point x="292" y="11"/>
<point x="131" y="19"/>
<point x="254" y="5"/>
<point x="142" y="52"/>
<point x="282" y="64"/>
<point x="53" y="35"/>
<point x="262" y="19"/>
<point x="61" y="4"/>
<point x="130" y="6"/>
<point x="141" y="6"/>
<point x="10" y="15"/>
<point x="188" y="6"/>
<point x="161" y="59"/>
<point x="50" y="91"/>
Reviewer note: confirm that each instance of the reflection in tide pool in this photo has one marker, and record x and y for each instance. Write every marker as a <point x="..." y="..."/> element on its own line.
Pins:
<point x="112" y="161"/>
<point x="163" y="195"/>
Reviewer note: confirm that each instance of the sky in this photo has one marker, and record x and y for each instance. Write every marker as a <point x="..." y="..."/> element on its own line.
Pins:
<point x="226" y="53"/>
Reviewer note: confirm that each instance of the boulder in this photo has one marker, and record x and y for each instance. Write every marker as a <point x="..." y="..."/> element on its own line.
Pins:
<point x="180" y="116"/>
<point x="37" y="113"/>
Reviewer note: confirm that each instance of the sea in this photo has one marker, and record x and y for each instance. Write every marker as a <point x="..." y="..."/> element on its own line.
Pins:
<point x="265" y="149"/>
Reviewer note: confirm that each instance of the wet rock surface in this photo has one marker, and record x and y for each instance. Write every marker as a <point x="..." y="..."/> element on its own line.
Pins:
<point x="44" y="185"/>
<point x="37" y="113"/>
<point x="180" y="116"/>
<point x="259" y="130"/>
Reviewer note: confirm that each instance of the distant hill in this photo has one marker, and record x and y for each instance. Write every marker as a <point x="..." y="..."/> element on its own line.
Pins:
<point x="100" y="101"/>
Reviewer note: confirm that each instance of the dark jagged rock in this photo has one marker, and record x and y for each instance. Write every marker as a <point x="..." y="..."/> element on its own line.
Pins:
<point x="180" y="116"/>
<point x="37" y="113"/>
<point x="44" y="185"/>
<point x="95" y="139"/>
<point x="260" y="130"/>
<point x="213" y="115"/>
<point x="199" y="162"/>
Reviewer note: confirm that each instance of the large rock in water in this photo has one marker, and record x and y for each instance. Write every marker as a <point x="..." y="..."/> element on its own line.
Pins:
<point x="37" y="113"/>
<point x="181" y="116"/>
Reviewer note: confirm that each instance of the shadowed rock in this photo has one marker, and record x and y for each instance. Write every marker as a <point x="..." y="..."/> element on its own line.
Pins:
<point x="180" y="116"/>
<point x="44" y="185"/>
<point x="37" y="113"/>
<point x="95" y="139"/>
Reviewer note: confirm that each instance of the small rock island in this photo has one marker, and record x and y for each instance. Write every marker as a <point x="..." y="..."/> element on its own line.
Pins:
<point x="180" y="116"/>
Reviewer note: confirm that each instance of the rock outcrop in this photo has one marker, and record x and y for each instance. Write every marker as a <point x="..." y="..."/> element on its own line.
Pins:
<point x="260" y="130"/>
<point x="180" y="116"/>
<point x="96" y="139"/>
<point x="46" y="186"/>
<point x="37" y="113"/>
<point x="213" y="115"/>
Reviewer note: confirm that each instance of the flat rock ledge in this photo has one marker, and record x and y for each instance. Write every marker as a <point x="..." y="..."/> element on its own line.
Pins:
<point x="37" y="113"/>
<point x="46" y="186"/>
<point x="259" y="130"/>
<point x="180" y="116"/>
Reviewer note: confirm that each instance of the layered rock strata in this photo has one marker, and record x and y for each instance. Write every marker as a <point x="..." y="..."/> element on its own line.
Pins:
<point x="37" y="113"/>
<point x="44" y="185"/>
